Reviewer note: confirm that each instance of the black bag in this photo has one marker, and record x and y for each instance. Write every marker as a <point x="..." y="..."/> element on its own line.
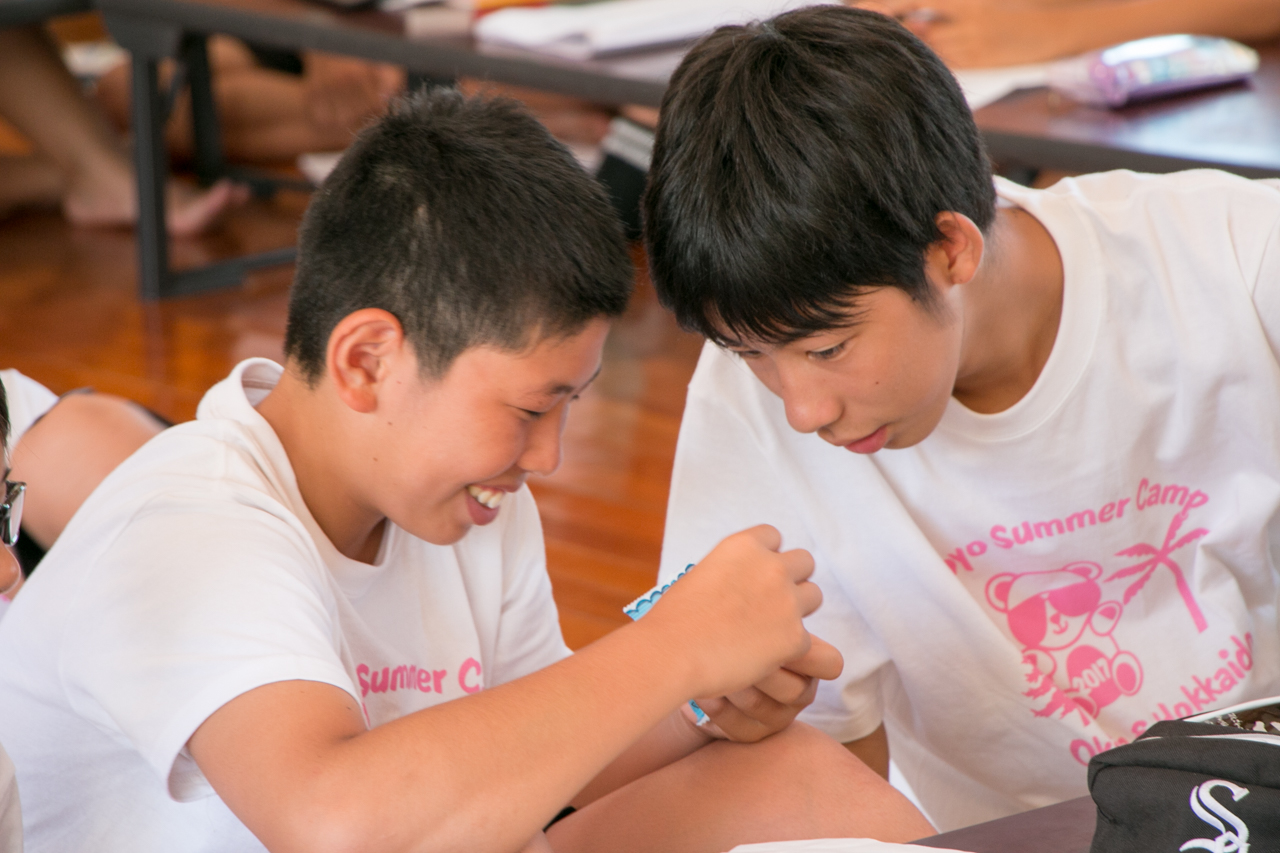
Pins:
<point x="1209" y="782"/>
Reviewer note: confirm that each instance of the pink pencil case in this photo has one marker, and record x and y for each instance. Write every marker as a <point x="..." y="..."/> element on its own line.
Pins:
<point x="1151" y="68"/>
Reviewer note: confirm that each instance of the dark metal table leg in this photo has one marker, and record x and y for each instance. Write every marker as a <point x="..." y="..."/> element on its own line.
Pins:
<point x="206" y="133"/>
<point x="149" y="159"/>
<point x="149" y="42"/>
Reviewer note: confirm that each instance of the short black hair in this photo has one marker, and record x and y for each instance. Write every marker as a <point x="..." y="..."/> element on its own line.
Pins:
<point x="463" y="218"/>
<point x="800" y="161"/>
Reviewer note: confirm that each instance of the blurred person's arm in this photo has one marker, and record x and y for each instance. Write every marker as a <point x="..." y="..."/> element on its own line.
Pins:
<point x="989" y="33"/>
<point x="342" y="93"/>
<point x="571" y="120"/>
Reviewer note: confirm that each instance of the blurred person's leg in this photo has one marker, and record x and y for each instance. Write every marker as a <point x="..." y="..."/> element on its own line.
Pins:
<point x="65" y="455"/>
<point x="268" y="115"/>
<point x="78" y="161"/>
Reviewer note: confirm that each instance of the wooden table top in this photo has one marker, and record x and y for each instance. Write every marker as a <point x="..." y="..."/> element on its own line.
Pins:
<point x="302" y="25"/>
<point x="1063" y="828"/>
<point x="20" y="13"/>
<point x="1236" y="128"/>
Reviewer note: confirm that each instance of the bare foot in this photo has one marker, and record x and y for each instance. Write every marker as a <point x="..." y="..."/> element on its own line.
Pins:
<point x="113" y="203"/>
<point x="190" y="212"/>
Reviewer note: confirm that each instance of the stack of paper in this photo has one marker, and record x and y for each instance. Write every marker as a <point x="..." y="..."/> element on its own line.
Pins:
<point x="614" y="26"/>
<point x="982" y="86"/>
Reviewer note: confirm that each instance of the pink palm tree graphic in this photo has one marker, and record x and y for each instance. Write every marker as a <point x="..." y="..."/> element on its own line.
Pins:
<point x="1161" y="556"/>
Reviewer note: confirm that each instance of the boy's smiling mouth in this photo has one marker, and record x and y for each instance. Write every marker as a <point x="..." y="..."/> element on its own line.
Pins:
<point x="486" y="497"/>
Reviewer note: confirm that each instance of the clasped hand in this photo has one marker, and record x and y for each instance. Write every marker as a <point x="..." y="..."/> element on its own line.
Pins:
<point x="771" y="704"/>
<point x="740" y="610"/>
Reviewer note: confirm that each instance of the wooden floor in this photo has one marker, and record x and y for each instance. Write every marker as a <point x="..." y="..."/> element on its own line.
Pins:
<point x="69" y="317"/>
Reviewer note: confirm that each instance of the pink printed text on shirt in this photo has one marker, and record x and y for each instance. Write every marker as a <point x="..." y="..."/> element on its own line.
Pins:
<point x="412" y="677"/>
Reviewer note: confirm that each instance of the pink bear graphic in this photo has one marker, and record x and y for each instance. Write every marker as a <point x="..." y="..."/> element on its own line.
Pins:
<point x="1065" y="630"/>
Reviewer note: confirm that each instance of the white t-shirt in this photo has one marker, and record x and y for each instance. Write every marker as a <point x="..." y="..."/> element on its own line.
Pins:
<point x="195" y="573"/>
<point x="1023" y="590"/>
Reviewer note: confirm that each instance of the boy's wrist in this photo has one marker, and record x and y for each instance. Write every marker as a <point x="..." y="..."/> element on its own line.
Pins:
<point x="702" y="733"/>
<point x="677" y="669"/>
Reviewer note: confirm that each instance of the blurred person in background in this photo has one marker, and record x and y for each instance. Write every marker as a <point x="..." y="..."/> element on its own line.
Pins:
<point x="990" y="33"/>
<point x="78" y="163"/>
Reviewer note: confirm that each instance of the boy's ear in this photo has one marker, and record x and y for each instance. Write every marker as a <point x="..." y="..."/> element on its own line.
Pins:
<point x="362" y="349"/>
<point x="956" y="257"/>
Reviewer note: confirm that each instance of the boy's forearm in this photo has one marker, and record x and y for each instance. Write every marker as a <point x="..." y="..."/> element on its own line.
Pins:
<point x="458" y="776"/>
<point x="293" y="760"/>
<point x="562" y="727"/>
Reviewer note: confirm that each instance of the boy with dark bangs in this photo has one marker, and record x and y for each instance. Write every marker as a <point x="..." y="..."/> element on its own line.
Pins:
<point x="1029" y="436"/>
<point x="317" y="618"/>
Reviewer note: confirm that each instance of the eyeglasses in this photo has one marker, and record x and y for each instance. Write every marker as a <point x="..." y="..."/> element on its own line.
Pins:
<point x="11" y="511"/>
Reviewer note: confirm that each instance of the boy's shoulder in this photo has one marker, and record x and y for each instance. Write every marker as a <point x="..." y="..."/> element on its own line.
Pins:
<point x="1122" y="188"/>
<point x="1182" y="226"/>
<point x="205" y="462"/>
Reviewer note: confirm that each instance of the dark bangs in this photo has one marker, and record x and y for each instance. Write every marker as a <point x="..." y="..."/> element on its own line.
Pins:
<point x="799" y="162"/>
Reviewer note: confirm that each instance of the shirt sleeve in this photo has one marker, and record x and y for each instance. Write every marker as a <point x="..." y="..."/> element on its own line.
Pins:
<point x="732" y="472"/>
<point x="196" y="603"/>
<point x="529" y="637"/>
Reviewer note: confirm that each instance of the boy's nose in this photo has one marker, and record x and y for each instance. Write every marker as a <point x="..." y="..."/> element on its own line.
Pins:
<point x="542" y="454"/>
<point x="809" y="406"/>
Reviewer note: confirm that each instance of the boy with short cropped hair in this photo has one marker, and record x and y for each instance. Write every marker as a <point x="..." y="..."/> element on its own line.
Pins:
<point x="318" y="618"/>
<point x="1029" y="436"/>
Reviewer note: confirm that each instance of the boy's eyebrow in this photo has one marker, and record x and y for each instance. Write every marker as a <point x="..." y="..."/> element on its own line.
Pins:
<point x="561" y="388"/>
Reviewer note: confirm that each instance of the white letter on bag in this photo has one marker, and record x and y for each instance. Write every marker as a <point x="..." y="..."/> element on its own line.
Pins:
<point x="1202" y="803"/>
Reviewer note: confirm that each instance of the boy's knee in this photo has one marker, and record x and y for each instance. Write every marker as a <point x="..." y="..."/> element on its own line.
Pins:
<point x="807" y="752"/>
<point x="822" y="773"/>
